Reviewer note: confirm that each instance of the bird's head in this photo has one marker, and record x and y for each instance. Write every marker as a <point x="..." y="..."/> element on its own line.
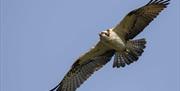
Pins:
<point x="104" y="35"/>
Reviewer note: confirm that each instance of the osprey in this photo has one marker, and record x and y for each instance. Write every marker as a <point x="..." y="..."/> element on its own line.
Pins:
<point x="116" y="41"/>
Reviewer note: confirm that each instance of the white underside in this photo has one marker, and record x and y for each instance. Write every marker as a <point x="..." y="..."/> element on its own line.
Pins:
<point x="114" y="42"/>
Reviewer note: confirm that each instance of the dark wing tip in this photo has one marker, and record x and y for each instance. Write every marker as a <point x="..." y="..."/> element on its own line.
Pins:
<point x="164" y="3"/>
<point x="158" y="2"/>
<point x="53" y="89"/>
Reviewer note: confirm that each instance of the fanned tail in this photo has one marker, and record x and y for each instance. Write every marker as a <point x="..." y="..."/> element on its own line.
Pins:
<point x="134" y="49"/>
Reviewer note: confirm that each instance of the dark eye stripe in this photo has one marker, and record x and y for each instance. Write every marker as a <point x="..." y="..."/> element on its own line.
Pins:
<point x="108" y="32"/>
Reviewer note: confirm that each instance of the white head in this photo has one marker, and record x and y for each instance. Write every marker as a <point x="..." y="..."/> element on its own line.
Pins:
<point x="105" y="36"/>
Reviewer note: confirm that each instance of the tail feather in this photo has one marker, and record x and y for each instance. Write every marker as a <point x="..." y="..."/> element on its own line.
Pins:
<point x="118" y="61"/>
<point x="134" y="49"/>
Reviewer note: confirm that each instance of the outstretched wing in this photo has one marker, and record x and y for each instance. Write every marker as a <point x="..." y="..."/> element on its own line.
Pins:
<point x="135" y="21"/>
<point x="83" y="69"/>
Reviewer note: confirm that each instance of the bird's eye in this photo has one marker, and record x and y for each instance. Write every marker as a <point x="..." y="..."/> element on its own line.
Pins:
<point x="105" y="33"/>
<point x="108" y="32"/>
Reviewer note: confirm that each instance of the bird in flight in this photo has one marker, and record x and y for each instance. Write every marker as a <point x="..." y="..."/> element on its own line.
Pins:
<point x="117" y="42"/>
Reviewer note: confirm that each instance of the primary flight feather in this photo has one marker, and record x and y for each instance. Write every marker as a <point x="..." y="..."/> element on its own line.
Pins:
<point x="115" y="41"/>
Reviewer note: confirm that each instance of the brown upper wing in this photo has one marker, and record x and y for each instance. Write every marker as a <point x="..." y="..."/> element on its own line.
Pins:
<point x="135" y="21"/>
<point x="82" y="70"/>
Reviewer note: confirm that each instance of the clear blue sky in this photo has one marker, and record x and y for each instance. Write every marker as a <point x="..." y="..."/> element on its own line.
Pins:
<point x="40" y="39"/>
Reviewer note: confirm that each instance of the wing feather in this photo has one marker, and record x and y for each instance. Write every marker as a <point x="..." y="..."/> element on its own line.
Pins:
<point x="82" y="70"/>
<point x="135" y="21"/>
